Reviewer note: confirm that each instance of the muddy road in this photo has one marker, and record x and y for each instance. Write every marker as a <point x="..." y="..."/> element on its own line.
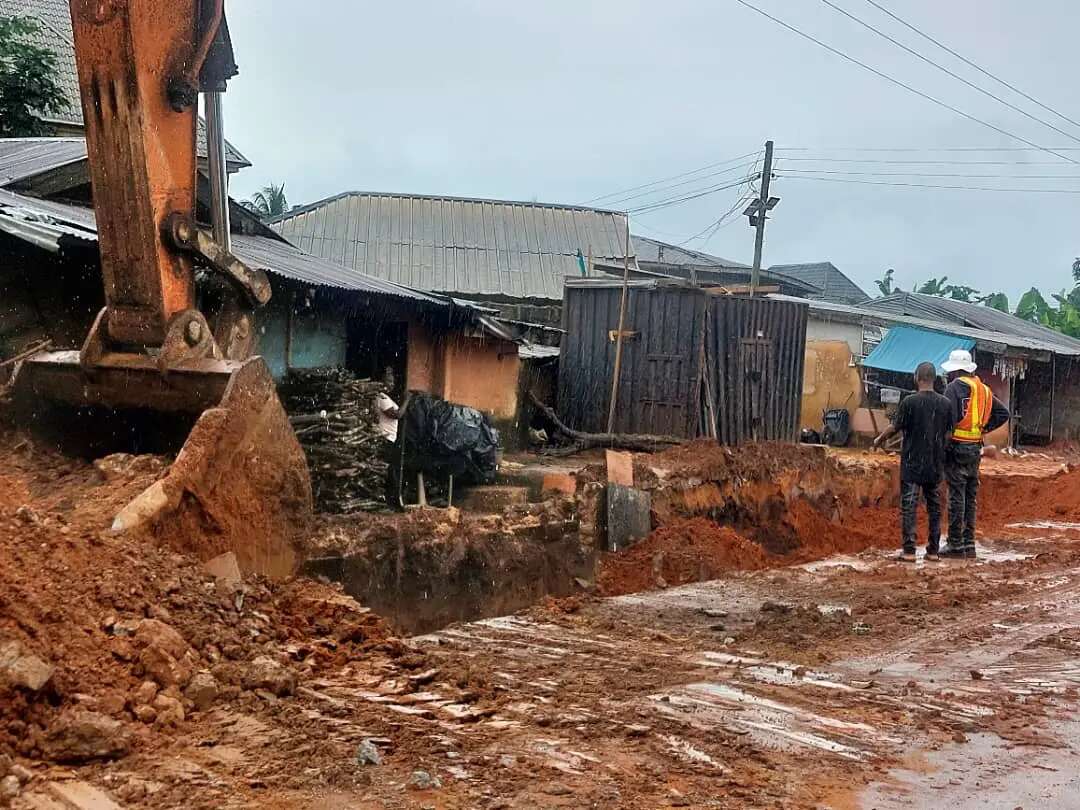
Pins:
<point x="807" y="670"/>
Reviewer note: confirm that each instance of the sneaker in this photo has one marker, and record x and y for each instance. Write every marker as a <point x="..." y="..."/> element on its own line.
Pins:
<point x="932" y="557"/>
<point x="906" y="556"/>
<point x="958" y="552"/>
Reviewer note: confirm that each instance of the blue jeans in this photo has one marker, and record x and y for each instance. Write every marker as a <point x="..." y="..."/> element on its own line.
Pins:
<point x="909" y="505"/>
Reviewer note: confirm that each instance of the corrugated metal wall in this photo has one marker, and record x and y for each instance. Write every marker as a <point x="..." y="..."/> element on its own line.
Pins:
<point x="756" y="349"/>
<point x="751" y="350"/>
<point x="659" y="388"/>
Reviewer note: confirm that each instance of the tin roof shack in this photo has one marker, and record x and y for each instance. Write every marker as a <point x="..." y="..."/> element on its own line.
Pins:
<point x="513" y="256"/>
<point x="695" y="363"/>
<point x="321" y="314"/>
<point x="1035" y="370"/>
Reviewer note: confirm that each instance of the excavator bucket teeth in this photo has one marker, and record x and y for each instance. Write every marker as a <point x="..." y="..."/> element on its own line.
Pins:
<point x="238" y="480"/>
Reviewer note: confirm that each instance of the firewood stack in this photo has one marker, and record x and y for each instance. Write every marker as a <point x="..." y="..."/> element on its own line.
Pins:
<point x="334" y="416"/>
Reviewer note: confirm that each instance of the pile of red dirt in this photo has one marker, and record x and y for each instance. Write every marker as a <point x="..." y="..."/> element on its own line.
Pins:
<point x="128" y="637"/>
<point x="686" y="550"/>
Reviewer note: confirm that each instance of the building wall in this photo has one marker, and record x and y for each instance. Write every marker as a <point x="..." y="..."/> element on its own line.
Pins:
<point x="318" y="335"/>
<point x="481" y="373"/>
<point x="820" y="328"/>
<point x="829" y="381"/>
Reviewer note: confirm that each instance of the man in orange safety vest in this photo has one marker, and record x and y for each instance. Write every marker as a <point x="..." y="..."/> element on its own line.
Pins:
<point x="977" y="412"/>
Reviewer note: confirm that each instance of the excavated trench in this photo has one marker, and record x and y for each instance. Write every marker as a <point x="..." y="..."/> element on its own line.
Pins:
<point x="714" y="510"/>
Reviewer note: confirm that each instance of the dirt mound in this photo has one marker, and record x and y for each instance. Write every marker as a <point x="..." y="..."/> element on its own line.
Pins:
<point x="686" y="550"/>
<point x="134" y="633"/>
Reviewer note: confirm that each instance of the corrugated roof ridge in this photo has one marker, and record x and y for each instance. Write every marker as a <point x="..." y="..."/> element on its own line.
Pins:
<point x="303" y="209"/>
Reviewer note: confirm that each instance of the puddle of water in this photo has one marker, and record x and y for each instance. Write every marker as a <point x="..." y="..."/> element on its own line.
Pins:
<point x="1046" y="524"/>
<point x="841" y="561"/>
<point x="782" y="673"/>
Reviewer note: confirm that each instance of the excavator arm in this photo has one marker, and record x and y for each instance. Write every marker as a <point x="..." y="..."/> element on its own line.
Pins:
<point x="154" y="371"/>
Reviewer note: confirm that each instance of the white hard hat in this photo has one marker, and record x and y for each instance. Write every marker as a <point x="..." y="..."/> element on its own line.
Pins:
<point x="959" y="360"/>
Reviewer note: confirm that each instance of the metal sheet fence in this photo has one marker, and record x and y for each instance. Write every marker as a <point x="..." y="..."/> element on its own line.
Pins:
<point x="694" y="364"/>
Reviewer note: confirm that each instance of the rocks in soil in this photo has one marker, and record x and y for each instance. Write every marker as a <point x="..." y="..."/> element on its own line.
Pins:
<point x="170" y="711"/>
<point x="21" y="668"/>
<point x="368" y="754"/>
<point x="165" y="656"/>
<point x="266" y="673"/>
<point x="202" y="691"/>
<point x="9" y="788"/>
<point x="81" y="735"/>
<point x="422" y="780"/>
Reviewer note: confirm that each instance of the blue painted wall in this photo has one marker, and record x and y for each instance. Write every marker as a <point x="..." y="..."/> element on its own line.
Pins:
<point x="318" y="335"/>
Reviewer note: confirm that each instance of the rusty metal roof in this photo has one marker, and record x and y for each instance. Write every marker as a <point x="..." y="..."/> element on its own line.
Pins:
<point x="464" y="246"/>
<point x="45" y="223"/>
<point x="26" y="157"/>
<point x="55" y="35"/>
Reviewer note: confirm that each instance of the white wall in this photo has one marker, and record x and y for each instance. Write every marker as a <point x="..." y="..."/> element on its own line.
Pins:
<point x="818" y="327"/>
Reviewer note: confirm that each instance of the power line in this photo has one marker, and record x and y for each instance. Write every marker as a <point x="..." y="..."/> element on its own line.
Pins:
<point x="940" y="174"/>
<point x="899" y="83"/>
<point x="946" y="70"/>
<point x="718" y="223"/>
<point x="679" y="200"/>
<point x="621" y="200"/>
<point x="878" y="161"/>
<point x="673" y="177"/>
<point x="922" y="149"/>
<point x="929" y="185"/>
<point x="968" y="62"/>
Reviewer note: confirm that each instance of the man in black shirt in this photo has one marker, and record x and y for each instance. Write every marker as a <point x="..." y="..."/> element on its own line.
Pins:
<point x="926" y="420"/>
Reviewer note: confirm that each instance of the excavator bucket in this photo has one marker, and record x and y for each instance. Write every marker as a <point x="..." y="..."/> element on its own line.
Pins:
<point x="238" y="480"/>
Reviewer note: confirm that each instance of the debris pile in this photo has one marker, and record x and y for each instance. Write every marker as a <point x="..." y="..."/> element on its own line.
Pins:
<point x="108" y="640"/>
<point x="334" y="416"/>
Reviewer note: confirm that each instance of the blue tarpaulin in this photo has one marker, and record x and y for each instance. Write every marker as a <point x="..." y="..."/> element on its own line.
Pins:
<point x="904" y="347"/>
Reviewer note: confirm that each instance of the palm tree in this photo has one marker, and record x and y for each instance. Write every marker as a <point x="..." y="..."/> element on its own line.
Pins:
<point x="269" y="202"/>
<point x="885" y="283"/>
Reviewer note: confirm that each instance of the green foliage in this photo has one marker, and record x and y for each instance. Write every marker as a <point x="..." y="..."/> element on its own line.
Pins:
<point x="885" y="283"/>
<point x="268" y="203"/>
<point x="28" y="89"/>
<point x="998" y="301"/>
<point x="934" y="286"/>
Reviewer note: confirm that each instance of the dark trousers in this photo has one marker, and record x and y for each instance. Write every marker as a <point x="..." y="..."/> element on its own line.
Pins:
<point x="909" y="506"/>
<point x="962" y="473"/>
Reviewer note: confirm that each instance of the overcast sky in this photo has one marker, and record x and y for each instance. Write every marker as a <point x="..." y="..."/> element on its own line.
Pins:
<point x="565" y="100"/>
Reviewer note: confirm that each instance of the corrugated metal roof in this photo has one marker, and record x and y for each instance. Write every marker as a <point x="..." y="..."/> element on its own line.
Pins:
<point x="26" y="157"/>
<point x="905" y="347"/>
<point x="55" y="35"/>
<point x="987" y="339"/>
<point x="653" y="250"/>
<point x="457" y="245"/>
<point x="834" y="285"/>
<point x="976" y="316"/>
<point x="40" y="220"/>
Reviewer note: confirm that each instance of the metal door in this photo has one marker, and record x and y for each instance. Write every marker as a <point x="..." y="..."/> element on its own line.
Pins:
<point x="754" y="379"/>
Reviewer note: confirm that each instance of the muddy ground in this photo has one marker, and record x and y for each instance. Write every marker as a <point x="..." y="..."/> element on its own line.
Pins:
<point x="809" y="671"/>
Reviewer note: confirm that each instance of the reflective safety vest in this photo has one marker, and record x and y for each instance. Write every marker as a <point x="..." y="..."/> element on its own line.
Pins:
<point x="977" y="414"/>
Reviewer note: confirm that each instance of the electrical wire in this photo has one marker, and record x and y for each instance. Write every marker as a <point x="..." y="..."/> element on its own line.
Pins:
<point x="946" y="70"/>
<point x="673" y="177"/>
<point x="940" y="174"/>
<point x="899" y="83"/>
<point x="713" y="227"/>
<point x="621" y="200"/>
<point x="890" y="162"/>
<point x="968" y="62"/>
<point x="679" y="200"/>
<point x="921" y="149"/>
<point x="928" y="185"/>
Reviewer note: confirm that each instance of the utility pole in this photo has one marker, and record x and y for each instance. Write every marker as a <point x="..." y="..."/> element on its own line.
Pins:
<point x="756" y="212"/>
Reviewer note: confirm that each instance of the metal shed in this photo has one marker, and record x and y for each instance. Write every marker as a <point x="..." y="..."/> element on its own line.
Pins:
<point x="695" y="363"/>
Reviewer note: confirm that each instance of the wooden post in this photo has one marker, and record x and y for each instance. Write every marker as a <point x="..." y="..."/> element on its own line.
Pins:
<point x="588" y="265"/>
<point x="288" y="331"/>
<point x="619" y="334"/>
